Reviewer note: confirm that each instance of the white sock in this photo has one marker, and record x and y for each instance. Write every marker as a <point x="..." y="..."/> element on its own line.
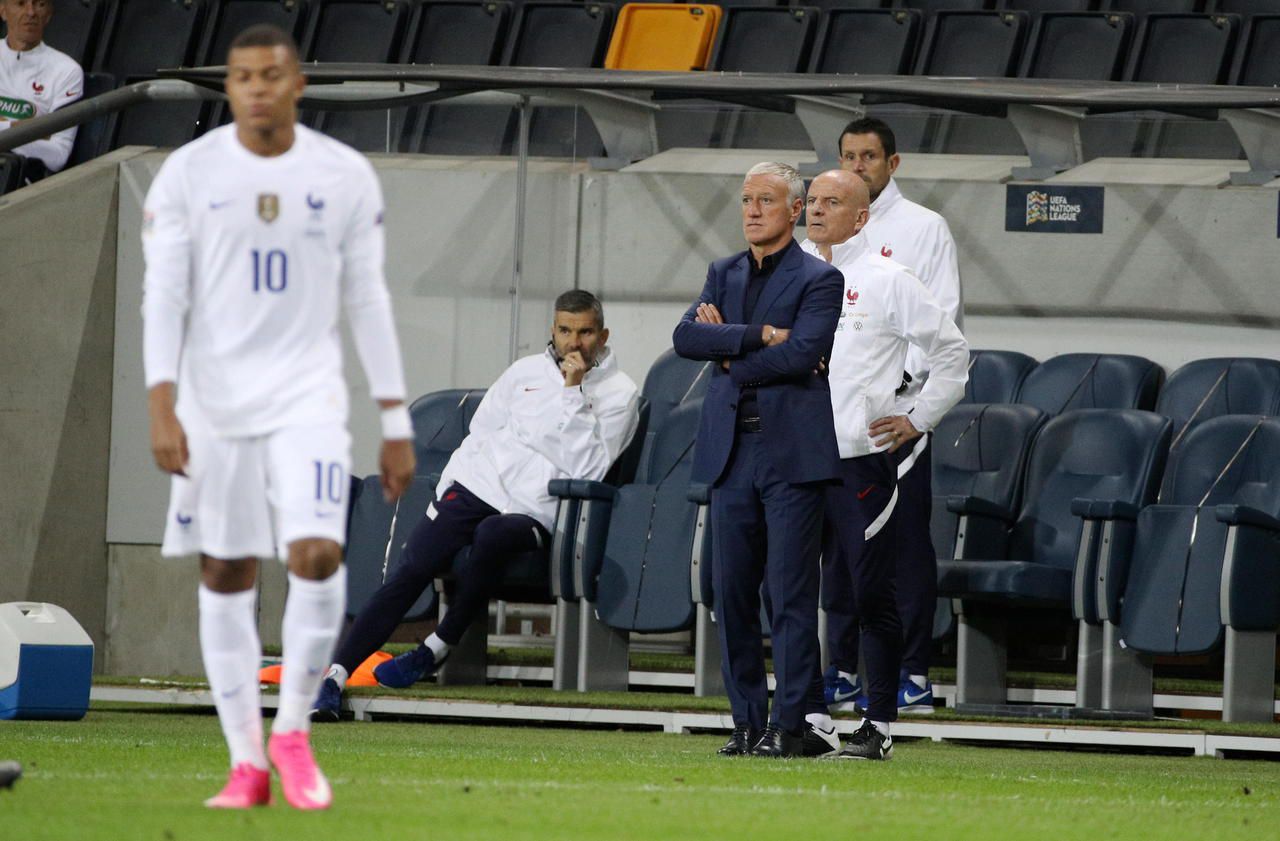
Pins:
<point x="438" y="646"/>
<point x="921" y="681"/>
<point x="821" y="721"/>
<point x="232" y="656"/>
<point x="338" y="674"/>
<point x="312" y="619"/>
<point x="882" y="726"/>
<point x="852" y="678"/>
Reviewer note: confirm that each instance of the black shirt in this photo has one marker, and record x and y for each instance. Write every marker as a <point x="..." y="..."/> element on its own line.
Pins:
<point x="757" y="279"/>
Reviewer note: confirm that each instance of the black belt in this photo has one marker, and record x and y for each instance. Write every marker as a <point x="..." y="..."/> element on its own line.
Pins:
<point x="749" y="425"/>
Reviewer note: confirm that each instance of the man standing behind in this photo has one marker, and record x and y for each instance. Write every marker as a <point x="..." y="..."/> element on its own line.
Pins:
<point x="919" y="239"/>
<point x="885" y="310"/>
<point x="565" y="413"/>
<point x="766" y="445"/>
<point x="36" y="79"/>
<point x="254" y="235"/>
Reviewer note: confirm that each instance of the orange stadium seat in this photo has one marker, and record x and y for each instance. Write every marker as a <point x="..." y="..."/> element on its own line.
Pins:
<point x="663" y="36"/>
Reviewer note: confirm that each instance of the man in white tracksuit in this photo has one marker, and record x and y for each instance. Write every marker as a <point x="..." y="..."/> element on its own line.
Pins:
<point x="565" y="413"/>
<point x="36" y="79"/>
<point x="919" y="239"/>
<point x="884" y="312"/>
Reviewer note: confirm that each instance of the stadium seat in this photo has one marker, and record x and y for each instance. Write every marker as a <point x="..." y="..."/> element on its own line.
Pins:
<point x="826" y="6"/>
<point x="996" y="375"/>
<point x="228" y="18"/>
<point x="979" y="450"/>
<point x="1090" y="46"/>
<point x="459" y="33"/>
<point x="663" y="36"/>
<point x="1203" y="571"/>
<point x="1257" y="59"/>
<point x="1041" y="7"/>
<point x="10" y="172"/>
<point x="1187" y="48"/>
<point x="631" y="571"/>
<point x="866" y="41"/>
<point x="129" y="47"/>
<point x="441" y="420"/>
<point x="1246" y="8"/>
<point x="1207" y="388"/>
<point x="561" y="34"/>
<point x="93" y="138"/>
<point x="165" y="123"/>
<point x="671" y="382"/>
<point x="75" y="27"/>
<point x="1091" y="381"/>
<point x="932" y="7"/>
<point x="358" y="31"/>
<point x="1037" y="557"/>
<point x="1142" y="8"/>
<point x="373" y="549"/>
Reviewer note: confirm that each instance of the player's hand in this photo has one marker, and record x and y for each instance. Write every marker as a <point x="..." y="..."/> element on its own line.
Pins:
<point x="708" y="314"/>
<point x="396" y="462"/>
<point x="168" y="438"/>
<point x="774" y="335"/>
<point x="574" y="368"/>
<point x="894" y="430"/>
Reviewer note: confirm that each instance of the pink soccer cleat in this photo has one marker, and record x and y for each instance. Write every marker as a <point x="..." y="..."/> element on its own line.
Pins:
<point x="246" y="787"/>
<point x="304" y="785"/>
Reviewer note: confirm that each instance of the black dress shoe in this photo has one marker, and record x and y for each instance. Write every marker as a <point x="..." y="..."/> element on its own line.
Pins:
<point x="778" y="743"/>
<point x="739" y="743"/>
<point x="867" y="743"/>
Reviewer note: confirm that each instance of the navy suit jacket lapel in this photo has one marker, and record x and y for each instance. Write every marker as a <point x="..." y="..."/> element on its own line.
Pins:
<point x="778" y="283"/>
<point x="735" y="291"/>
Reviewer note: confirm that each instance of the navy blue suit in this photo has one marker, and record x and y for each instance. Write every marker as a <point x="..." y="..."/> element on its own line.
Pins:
<point x="767" y="486"/>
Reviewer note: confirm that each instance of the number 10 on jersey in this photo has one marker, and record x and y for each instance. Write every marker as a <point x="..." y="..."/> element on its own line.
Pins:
<point x="270" y="270"/>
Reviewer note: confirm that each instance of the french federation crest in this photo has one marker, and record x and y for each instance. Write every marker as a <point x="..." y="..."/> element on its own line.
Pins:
<point x="268" y="207"/>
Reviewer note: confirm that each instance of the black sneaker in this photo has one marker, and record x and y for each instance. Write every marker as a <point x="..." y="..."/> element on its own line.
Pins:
<point x="739" y="743"/>
<point x="328" y="703"/>
<point x="819" y="742"/>
<point x="777" y="743"/>
<point x="867" y="743"/>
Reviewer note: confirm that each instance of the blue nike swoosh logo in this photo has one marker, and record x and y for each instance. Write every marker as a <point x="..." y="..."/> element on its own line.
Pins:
<point x="218" y="205"/>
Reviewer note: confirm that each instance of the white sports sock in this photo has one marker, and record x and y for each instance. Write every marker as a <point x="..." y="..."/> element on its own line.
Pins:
<point x="921" y="681"/>
<point x="232" y="655"/>
<point x="822" y="721"/>
<point x="338" y="674"/>
<point x="438" y="646"/>
<point x="312" y="620"/>
<point x="882" y="726"/>
<point x="851" y="677"/>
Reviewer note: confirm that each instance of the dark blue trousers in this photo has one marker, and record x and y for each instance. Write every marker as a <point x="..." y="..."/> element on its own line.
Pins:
<point x="917" y="579"/>
<point x="768" y="530"/>
<point x="460" y="518"/>
<point x="858" y="564"/>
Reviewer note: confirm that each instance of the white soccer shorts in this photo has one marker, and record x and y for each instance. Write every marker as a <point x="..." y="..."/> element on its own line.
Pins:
<point x="253" y="496"/>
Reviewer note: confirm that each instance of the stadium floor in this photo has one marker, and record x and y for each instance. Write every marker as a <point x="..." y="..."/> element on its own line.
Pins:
<point x="123" y="773"/>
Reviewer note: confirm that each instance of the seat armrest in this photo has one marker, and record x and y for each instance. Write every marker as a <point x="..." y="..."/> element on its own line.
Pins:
<point x="1104" y="509"/>
<point x="581" y="489"/>
<point x="1243" y="515"/>
<point x="980" y="507"/>
<point x="700" y="493"/>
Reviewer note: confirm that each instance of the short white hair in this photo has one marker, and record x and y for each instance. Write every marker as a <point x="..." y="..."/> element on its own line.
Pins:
<point x="788" y="173"/>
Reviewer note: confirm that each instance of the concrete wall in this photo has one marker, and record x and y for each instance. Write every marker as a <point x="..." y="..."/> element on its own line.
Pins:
<point x="58" y="264"/>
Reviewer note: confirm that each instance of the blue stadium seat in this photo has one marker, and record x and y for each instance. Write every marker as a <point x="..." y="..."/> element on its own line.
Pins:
<point x="1091" y="381"/>
<point x="75" y="27"/>
<point x="866" y="41"/>
<point x="1203" y="569"/>
<point x="671" y="382"/>
<point x="1110" y="462"/>
<point x="441" y="420"/>
<point x="632" y="572"/>
<point x="1090" y="46"/>
<point x="996" y="375"/>
<point x="1207" y="388"/>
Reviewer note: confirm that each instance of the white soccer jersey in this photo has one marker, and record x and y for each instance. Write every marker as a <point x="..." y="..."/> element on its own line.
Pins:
<point x="885" y="311"/>
<point x="247" y="260"/>
<point x="33" y="83"/>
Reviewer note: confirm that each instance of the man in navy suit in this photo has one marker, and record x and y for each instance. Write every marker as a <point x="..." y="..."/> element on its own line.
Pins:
<point x="767" y="447"/>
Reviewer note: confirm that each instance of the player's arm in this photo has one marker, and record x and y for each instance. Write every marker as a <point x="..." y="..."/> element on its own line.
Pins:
<point x="368" y="307"/>
<point x="702" y="333"/>
<point x="584" y="436"/>
<point x="808" y="342"/>
<point x="54" y="151"/>
<point x="166" y="296"/>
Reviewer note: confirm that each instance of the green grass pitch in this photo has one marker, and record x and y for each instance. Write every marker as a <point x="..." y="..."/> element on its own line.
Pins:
<point x="141" y="775"/>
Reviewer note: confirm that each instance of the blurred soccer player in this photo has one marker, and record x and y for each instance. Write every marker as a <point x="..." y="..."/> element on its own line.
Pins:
<point x="253" y="236"/>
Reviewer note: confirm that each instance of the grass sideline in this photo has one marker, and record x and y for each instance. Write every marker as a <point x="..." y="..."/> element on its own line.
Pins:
<point x="127" y="775"/>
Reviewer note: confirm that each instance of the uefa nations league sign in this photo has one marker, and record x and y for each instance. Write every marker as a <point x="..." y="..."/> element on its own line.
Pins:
<point x="1046" y="209"/>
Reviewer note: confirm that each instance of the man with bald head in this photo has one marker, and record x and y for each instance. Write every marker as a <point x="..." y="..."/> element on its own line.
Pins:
<point x="884" y="311"/>
<point x="766" y="446"/>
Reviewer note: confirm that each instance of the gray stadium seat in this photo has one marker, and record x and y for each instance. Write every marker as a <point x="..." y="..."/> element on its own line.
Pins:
<point x="828" y="6"/>
<point x="75" y="27"/>
<point x="129" y="47"/>
<point x="1037" y="557"/>
<point x="866" y="41"/>
<point x="1187" y="48"/>
<point x="1091" y="381"/>
<point x="94" y="137"/>
<point x="1245" y="8"/>
<point x="1257" y="59"/>
<point x="1090" y="46"/>
<point x="1203" y="570"/>
<point x="1040" y="7"/>
<point x="996" y="375"/>
<point x="228" y="18"/>
<point x="1207" y="388"/>
<point x="671" y="382"/>
<point x="1141" y="8"/>
<point x="10" y="172"/>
